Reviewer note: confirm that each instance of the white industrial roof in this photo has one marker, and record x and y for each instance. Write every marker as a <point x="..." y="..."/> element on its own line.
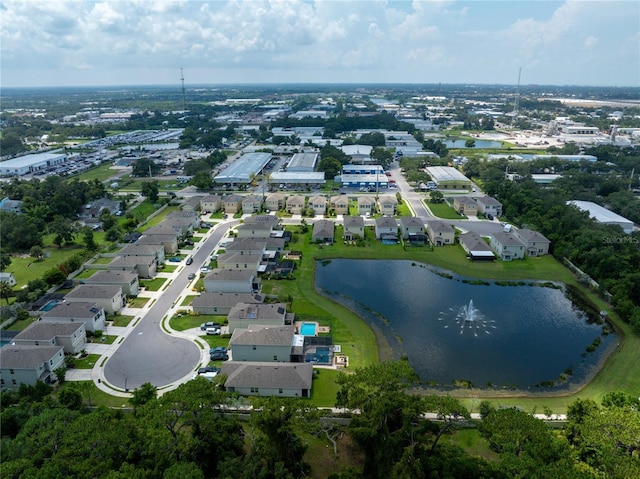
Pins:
<point x="603" y="215"/>
<point x="30" y="160"/>
<point x="445" y="173"/>
<point x="243" y="168"/>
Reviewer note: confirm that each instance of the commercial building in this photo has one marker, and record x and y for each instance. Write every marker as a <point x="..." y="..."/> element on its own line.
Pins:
<point x="363" y="175"/>
<point x="603" y="215"/>
<point x="243" y="170"/>
<point x="27" y="164"/>
<point x="448" y="178"/>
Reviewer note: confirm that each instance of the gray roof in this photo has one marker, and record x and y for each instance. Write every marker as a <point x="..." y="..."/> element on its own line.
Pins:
<point x="261" y="219"/>
<point x="303" y="160"/>
<point x="366" y="200"/>
<point x="474" y="242"/>
<point x="258" y="311"/>
<point x="507" y="239"/>
<point x="488" y="201"/>
<point x="111" y="277"/>
<point x="275" y="243"/>
<point x="157" y="239"/>
<point x="140" y="250"/>
<point x="230" y="275"/>
<point x="256" y="227"/>
<point x="600" y="214"/>
<point x="225" y="300"/>
<point x="73" y="310"/>
<point x="445" y="173"/>
<point x="247" y="244"/>
<point x="531" y="236"/>
<point x="132" y="261"/>
<point x="323" y="229"/>
<point x="440" y="226"/>
<point x="411" y="221"/>
<point x="183" y="214"/>
<point x="26" y="357"/>
<point x="386" y="222"/>
<point x="45" y="330"/>
<point x="241" y="169"/>
<point x="388" y="200"/>
<point x="256" y="334"/>
<point x="211" y="199"/>
<point x="465" y="200"/>
<point x="240" y="257"/>
<point x="350" y="221"/>
<point x="161" y="230"/>
<point x="102" y="291"/>
<point x="242" y="374"/>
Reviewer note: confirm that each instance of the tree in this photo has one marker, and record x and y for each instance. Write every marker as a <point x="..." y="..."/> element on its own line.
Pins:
<point x="54" y="276"/>
<point x="436" y="197"/>
<point x="330" y="166"/>
<point x="36" y="252"/>
<point x="202" y="180"/>
<point x="5" y="259"/>
<point x="150" y="189"/>
<point x="144" y="167"/>
<point x="64" y="230"/>
<point x="5" y="290"/>
<point x="89" y="241"/>
<point x="70" y="398"/>
<point x="470" y="143"/>
<point x="142" y="395"/>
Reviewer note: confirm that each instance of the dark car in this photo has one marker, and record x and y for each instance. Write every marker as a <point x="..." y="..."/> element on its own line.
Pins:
<point x="208" y="369"/>
<point x="189" y="243"/>
<point x="174" y="259"/>
<point x="218" y="349"/>
<point x="189" y="260"/>
<point x="218" y="356"/>
<point x="490" y="217"/>
<point x="191" y="276"/>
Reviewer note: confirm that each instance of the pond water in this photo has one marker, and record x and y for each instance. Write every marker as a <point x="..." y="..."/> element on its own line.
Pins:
<point x="478" y="143"/>
<point x="521" y="337"/>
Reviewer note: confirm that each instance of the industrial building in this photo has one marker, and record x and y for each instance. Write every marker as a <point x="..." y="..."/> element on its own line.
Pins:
<point x="603" y="215"/>
<point x="363" y="175"/>
<point x="28" y="164"/>
<point x="303" y="162"/>
<point x="448" y="178"/>
<point x="243" y="170"/>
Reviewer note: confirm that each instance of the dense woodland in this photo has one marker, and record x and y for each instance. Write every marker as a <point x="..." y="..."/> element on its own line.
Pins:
<point x="188" y="433"/>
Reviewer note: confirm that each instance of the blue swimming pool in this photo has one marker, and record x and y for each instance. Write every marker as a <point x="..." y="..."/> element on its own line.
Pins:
<point x="49" y="306"/>
<point x="308" y="329"/>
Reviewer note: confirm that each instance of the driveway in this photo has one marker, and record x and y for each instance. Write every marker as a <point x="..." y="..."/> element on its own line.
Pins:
<point x="149" y="354"/>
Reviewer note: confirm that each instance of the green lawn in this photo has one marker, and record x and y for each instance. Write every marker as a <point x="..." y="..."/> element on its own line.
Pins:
<point x="153" y="284"/>
<point x="187" y="321"/>
<point x="167" y="268"/>
<point x="88" y="362"/>
<point x="187" y="300"/>
<point x="101" y="173"/>
<point x="138" y="302"/>
<point x="92" y="396"/>
<point x="120" y="320"/>
<point x="86" y="273"/>
<point x="20" y="324"/>
<point x="157" y="219"/>
<point x="324" y="388"/>
<point x="443" y="210"/>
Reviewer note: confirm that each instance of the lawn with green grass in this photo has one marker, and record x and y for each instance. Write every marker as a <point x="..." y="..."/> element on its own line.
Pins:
<point x="187" y="321"/>
<point x="92" y="395"/>
<point x="138" y="302"/>
<point x="21" y="324"/>
<point x="154" y="284"/>
<point x="187" y="300"/>
<point x="100" y="173"/>
<point x="88" y="362"/>
<point x="443" y="210"/>
<point x="324" y="388"/>
<point x="159" y="218"/>
<point x="120" y="320"/>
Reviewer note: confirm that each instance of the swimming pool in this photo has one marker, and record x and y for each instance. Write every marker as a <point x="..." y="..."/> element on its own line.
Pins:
<point x="308" y="329"/>
<point x="49" y="306"/>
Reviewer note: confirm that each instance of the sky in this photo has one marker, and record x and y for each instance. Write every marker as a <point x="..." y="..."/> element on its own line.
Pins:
<point x="147" y="42"/>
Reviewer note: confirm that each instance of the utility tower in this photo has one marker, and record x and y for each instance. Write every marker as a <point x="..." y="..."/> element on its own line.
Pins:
<point x="516" y="102"/>
<point x="184" y="96"/>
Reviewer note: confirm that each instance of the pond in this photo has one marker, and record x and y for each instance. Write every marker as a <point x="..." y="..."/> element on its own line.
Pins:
<point x="457" y="330"/>
<point x="478" y="144"/>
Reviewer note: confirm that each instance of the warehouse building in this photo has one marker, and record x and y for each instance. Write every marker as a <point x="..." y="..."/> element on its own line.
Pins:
<point x="603" y="215"/>
<point x="448" y="178"/>
<point x="244" y="169"/>
<point x="29" y="164"/>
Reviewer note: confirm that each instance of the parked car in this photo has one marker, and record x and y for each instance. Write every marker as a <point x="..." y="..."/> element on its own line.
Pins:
<point x="208" y="369"/>
<point x="204" y="326"/>
<point x="204" y="269"/>
<point x="213" y="331"/>
<point x="189" y="243"/>
<point x="174" y="259"/>
<point x="490" y="217"/>
<point x="191" y="276"/>
<point x="219" y="356"/>
<point x="189" y="260"/>
<point x="218" y="349"/>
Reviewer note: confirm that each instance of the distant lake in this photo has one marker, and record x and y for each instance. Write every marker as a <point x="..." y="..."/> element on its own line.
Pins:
<point x="518" y="336"/>
<point x="478" y="143"/>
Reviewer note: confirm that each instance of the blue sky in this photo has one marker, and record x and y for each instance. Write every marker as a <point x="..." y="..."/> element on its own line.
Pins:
<point x="114" y="42"/>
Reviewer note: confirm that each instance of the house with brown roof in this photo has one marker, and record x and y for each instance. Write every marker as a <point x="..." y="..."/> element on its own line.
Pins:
<point x="388" y="205"/>
<point x="353" y="227"/>
<point x="440" y="233"/>
<point x="295" y="204"/>
<point x="323" y="231"/>
<point x="265" y="379"/>
<point x="21" y="364"/>
<point x="71" y="336"/>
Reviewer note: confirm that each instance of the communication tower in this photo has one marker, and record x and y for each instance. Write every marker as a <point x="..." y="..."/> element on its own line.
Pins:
<point x="184" y="96"/>
<point x="516" y="102"/>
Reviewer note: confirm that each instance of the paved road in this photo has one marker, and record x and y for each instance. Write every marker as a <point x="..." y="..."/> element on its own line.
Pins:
<point x="149" y="354"/>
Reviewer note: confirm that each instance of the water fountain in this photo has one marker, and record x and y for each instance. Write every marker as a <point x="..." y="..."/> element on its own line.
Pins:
<point x="468" y="317"/>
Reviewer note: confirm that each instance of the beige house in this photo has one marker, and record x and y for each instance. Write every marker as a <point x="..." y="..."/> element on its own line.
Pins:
<point x="412" y="227"/>
<point x="366" y="205"/>
<point x="168" y="241"/>
<point x="211" y="203"/>
<point x="353" y="227"/>
<point x="507" y="246"/>
<point x="275" y="201"/>
<point x="106" y="296"/>
<point x="240" y="260"/>
<point x="340" y="205"/>
<point x="388" y="205"/>
<point x="323" y="231"/>
<point x="295" y="204"/>
<point x="465" y="206"/>
<point x="318" y="204"/>
<point x="232" y="204"/>
<point x="535" y="243"/>
<point x="440" y="233"/>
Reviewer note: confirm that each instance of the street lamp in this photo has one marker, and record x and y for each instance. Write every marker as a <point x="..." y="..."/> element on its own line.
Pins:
<point x="125" y="385"/>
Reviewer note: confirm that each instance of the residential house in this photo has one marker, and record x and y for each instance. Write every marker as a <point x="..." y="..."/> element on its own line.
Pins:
<point x="535" y="243"/>
<point x="240" y="260"/>
<point x="7" y="278"/>
<point x="275" y="201"/>
<point x="192" y="216"/>
<point x="489" y="206"/>
<point x="465" y="206"/>
<point x="412" y="227"/>
<point x="295" y="204"/>
<point x="71" y="336"/>
<point x="318" y="204"/>
<point x="92" y="211"/>
<point x="29" y="364"/>
<point x="251" y="204"/>
<point x="272" y="314"/>
<point x="211" y="203"/>
<point x="231" y="204"/>
<point x="475" y="247"/>
<point x="232" y="281"/>
<point x="254" y="230"/>
<point x="127" y="280"/>
<point x="440" y="233"/>
<point x="507" y="246"/>
<point x="386" y="227"/>
<point x="165" y="229"/>
<point x="271" y="220"/>
<point x="388" y="205"/>
<point x="353" y="227"/>
<point x="191" y="203"/>
<point x="323" y="231"/>
<point x="184" y="226"/>
<point x="340" y="204"/>
<point x="221" y="303"/>
<point x="262" y="343"/>
<point x="265" y="379"/>
<point x="247" y="245"/>
<point x="12" y="206"/>
<point x="168" y="241"/>
<point x="156" y="251"/>
<point x="90" y="314"/>
<point x="144" y="266"/>
<point x="366" y="205"/>
<point x="106" y="296"/>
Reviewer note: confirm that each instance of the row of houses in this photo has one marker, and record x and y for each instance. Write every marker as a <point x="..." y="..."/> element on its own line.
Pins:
<point x="295" y="204"/>
<point x="516" y="244"/>
<point x="471" y="206"/>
